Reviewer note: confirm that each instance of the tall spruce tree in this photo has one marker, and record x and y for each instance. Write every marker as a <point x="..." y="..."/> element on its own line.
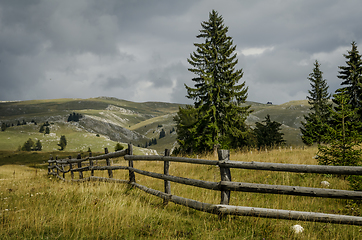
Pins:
<point x="351" y="76"/>
<point x="217" y="95"/>
<point x="314" y="126"/>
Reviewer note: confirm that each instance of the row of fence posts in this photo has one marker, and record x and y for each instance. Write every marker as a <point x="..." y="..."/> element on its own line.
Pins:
<point x="223" y="155"/>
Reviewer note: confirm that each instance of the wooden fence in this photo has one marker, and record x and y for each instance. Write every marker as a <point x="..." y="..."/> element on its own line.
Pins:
<point x="225" y="185"/>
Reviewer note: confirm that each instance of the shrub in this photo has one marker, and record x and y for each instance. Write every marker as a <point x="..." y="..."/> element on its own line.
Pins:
<point x="118" y="147"/>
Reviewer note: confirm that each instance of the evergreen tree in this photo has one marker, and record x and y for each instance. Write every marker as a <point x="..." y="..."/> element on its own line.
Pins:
<point x="217" y="95"/>
<point x="351" y="76"/>
<point x="162" y="134"/>
<point x="342" y="134"/>
<point x="313" y="127"/>
<point x="3" y="127"/>
<point x="185" y="119"/>
<point x="41" y="130"/>
<point x="268" y="134"/>
<point x="38" y="146"/>
<point x="28" y="145"/>
<point x="47" y="130"/>
<point x="62" y="143"/>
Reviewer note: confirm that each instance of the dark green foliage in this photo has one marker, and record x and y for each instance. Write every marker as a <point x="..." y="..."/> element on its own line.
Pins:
<point x="41" y="130"/>
<point x="45" y="128"/>
<point x="62" y="143"/>
<point x="162" y="133"/>
<point x="74" y="117"/>
<point x="342" y="136"/>
<point x="159" y="125"/>
<point x="28" y="145"/>
<point x="38" y="146"/>
<point x="21" y="123"/>
<point x="351" y="76"/>
<point x="268" y="134"/>
<point x="216" y="94"/>
<point x="3" y="127"/>
<point x="118" y="147"/>
<point x="89" y="150"/>
<point x="185" y="120"/>
<point x="313" y="128"/>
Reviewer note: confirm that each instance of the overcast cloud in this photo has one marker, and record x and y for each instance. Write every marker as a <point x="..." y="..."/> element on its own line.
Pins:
<point x="137" y="50"/>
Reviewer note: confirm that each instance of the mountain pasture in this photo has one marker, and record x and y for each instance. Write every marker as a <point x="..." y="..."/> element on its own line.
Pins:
<point x="36" y="205"/>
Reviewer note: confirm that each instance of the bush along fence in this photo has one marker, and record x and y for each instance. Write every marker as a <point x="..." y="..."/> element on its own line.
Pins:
<point x="225" y="185"/>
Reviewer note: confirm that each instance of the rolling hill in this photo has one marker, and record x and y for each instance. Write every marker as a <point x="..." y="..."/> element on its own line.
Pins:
<point x="106" y="121"/>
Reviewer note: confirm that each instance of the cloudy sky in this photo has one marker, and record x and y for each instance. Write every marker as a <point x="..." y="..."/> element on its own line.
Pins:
<point x="137" y="50"/>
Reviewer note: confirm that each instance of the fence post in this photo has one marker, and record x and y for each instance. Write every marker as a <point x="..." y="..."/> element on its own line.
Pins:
<point x="63" y="170"/>
<point x="110" y="173"/>
<point x="224" y="155"/>
<point x="50" y="164"/>
<point x="91" y="164"/>
<point x="132" y="177"/>
<point x="166" y="168"/>
<point x="71" y="167"/>
<point x="79" y="166"/>
<point x="56" y="158"/>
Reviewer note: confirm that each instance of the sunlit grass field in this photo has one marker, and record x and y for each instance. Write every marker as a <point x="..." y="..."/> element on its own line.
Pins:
<point x="35" y="205"/>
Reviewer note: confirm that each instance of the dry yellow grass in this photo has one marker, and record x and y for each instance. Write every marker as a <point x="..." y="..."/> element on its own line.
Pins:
<point x="36" y="206"/>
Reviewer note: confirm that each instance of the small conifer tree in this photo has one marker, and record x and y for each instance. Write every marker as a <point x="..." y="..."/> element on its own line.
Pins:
<point x="62" y="143"/>
<point x="313" y="127"/>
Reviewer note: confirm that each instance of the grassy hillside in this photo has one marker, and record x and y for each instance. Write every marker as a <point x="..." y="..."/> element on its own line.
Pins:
<point x="117" y="120"/>
<point x="37" y="206"/>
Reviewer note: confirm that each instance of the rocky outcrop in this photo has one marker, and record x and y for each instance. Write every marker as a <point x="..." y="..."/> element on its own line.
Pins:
<point x="113" y="131"/>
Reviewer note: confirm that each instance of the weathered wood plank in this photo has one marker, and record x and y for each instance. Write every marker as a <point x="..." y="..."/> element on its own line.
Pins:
<point x="291" y="190"/>
<point x="283" y="167"/>
<point x="104" y="156"/>
<point x="132" y="176"/>
<point x="166" y="171"/>
<point x="108" y="167"/>
<point x="80" y="167"/>
<point x="205" y="207"/>
<point x="170" y="159"/>
<point x="187" y="181"/>
<point x="224" y="156"/>
<point x="110" y="173"/>
<point x="290" y="215"/>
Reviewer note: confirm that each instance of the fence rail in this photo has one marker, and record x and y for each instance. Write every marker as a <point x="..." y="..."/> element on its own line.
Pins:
<point x="225" y="185"/>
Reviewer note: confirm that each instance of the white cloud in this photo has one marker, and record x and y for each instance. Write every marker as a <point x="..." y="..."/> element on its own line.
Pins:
<point x="255" y="51"/>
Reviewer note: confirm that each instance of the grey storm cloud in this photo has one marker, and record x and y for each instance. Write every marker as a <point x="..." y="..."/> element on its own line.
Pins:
<point x="137" y="50"/>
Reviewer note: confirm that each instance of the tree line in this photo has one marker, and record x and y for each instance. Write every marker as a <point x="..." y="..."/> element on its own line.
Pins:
<point x="336" y="126"/>
<point x="4" y="125"/>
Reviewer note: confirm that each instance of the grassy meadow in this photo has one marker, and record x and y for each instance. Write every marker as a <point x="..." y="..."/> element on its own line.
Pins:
<point x="35" y="205"/>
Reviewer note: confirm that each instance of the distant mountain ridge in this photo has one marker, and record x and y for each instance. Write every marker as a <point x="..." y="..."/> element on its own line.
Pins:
<point x="138" y="123"/>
